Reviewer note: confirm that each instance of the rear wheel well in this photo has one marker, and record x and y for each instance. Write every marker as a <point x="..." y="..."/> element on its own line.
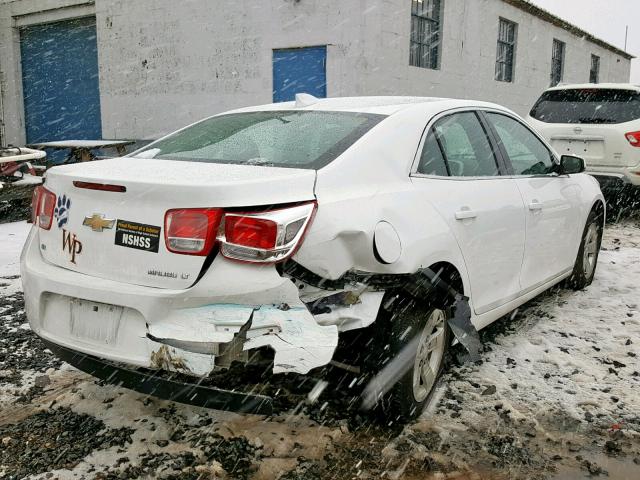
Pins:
<point x="369" y="347"/>
<point x="449" y="275"/>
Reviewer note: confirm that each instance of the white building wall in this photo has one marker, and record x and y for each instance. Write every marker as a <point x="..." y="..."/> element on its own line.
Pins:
<point x="164" y="64"/>
<point x="467" y="70"/>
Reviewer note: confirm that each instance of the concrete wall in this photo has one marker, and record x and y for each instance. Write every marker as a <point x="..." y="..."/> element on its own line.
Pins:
<point x="470" y="33"/>
<point x="164" y="64"/>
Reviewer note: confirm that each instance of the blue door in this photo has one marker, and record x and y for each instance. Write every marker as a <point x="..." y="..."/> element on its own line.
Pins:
<point x="60" y="81"/>
<point x="299" y="70"/>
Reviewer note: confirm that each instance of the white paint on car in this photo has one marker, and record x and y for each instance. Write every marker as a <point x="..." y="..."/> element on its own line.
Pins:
<point x="369" y="194"/>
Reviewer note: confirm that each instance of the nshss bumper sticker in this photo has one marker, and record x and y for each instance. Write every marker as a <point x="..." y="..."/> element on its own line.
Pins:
<point x="138" y="236"/>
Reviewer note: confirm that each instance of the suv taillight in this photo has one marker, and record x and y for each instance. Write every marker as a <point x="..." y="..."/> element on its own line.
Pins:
<point x="633" y="138"/>
<point x="191" y="231"/>
<point x="266" y="237"/>
<point x="43" y="203"/>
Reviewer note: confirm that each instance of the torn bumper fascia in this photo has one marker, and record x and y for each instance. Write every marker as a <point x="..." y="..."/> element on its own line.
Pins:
<point x="185" y="330"/>
<point x="193" y="338"/>
<point x="192" y="341"/>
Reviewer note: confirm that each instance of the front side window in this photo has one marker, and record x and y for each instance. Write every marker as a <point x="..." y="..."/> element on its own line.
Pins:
<point x="594" y="73"/>
<point x="557" y="62"/>
<point x="505" y="57"/>
<point x="528" y="155"/>
<point x="465" y="145"/>
<point x="426" y="33"/>
<point x="588" y="105"/>
<point x="279" y="138"/>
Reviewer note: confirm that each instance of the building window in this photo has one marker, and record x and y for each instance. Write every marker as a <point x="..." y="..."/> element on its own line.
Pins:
<point x="557" y="62"/>
<point x="506" y="55"/>
<point x="425" y="33"/>
<point x="594" y="74"/>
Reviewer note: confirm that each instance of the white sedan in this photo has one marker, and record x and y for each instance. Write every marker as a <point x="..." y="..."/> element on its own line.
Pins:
<point x="280" y="228"/>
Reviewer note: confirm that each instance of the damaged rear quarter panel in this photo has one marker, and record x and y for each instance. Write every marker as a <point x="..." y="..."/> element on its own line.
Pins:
<point x="370" y="183"/>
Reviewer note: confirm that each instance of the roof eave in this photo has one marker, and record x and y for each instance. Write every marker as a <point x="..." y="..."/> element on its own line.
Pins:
<point x="559" y="22"/>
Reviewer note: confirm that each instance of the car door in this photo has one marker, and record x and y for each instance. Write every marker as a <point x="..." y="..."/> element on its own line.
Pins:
<point x="552" y="202"/>
<point x="460" y="175"/>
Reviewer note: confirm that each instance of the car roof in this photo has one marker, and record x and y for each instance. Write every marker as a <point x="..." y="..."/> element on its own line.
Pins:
<point x="597" y="86"/>
<point x="383" y="105"/>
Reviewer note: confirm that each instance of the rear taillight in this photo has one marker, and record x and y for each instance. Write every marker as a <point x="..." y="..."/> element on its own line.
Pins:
<point x="43" y="203"/>
<point x="250" y="232"/>
<point x="191" y="231"/>
<point x="266" y="237"/>
<point x="633" y="138"/>
<point x="263" y="237"/>
<point x="35" y="204"/>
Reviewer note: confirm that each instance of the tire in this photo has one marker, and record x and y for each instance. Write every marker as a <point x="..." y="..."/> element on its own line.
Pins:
<point x="584" y="268"/>
<point x="423" y="335"/>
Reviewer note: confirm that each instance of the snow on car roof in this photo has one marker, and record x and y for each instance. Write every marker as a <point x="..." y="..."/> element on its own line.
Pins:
<point x="383" y="105"/>
<point x="593" y="86"/>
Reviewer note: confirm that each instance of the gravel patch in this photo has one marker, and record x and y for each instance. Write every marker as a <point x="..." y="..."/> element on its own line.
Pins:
<point x="54" y="439"/>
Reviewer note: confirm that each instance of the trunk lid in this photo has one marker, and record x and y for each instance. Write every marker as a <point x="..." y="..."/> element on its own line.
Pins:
<point x="120" y="235"/>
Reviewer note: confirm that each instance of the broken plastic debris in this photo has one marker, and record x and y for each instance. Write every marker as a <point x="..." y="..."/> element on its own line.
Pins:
<point x="463" y="329"/>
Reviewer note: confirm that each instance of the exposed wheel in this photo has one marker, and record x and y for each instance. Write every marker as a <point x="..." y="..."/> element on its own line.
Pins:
<point x="429" y="356"/>
<point x="585" y="267"/>
<point x="423" y="336"/>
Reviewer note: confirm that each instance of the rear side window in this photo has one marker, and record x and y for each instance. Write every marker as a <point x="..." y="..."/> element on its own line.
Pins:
<point x="297" y="139"/>
<point x="432" y="161"/>
<point x="465" y="145"/>
<point x="604" y="106"/>
<point x="528" y="155"/>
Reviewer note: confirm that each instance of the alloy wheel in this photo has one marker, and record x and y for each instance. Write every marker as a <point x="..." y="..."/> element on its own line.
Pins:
<point x="590" y="250"/>
<point x="429" y="355"/>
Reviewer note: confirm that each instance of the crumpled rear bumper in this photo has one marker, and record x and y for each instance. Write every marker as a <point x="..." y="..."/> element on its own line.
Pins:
<point x="176" y="330"/>
<point x="164" y="386"/>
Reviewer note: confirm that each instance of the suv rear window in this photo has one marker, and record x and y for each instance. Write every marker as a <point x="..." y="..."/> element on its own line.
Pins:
<point x="587" y="106"/>
<point x="307" y="139"/>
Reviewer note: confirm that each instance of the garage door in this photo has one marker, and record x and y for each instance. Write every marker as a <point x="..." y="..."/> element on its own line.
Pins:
<point x="299" y="70"/>
<point x="60" y="81"/>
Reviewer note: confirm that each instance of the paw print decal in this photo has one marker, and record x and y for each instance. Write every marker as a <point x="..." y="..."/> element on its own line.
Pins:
<point x="61" y="212"/>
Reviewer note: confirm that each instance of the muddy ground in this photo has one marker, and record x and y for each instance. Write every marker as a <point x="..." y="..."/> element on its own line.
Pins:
<point x="556" y="396"/>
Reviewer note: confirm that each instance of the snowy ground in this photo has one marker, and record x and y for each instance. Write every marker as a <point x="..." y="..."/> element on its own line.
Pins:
<point x="12" y="237"/>
<point x="557" y="396"/>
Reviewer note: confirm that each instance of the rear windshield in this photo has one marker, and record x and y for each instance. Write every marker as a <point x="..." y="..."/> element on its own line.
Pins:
<point x="587" y="106"/>
<point x="295" y="139"/>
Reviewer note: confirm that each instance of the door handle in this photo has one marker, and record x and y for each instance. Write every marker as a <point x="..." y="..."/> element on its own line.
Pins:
<point x="535" y="206"/>
<point x="465" y="214"/>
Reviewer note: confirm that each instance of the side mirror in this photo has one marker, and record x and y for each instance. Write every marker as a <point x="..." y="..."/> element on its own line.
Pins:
<point x="570" y="164"/>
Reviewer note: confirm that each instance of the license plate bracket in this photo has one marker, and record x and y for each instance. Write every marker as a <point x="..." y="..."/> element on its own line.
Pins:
<point x="582" y="147"/>
<point x="95" y="322"/>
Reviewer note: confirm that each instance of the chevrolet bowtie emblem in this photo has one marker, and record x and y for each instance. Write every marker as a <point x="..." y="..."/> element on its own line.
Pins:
<point x="97" y="222"/>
